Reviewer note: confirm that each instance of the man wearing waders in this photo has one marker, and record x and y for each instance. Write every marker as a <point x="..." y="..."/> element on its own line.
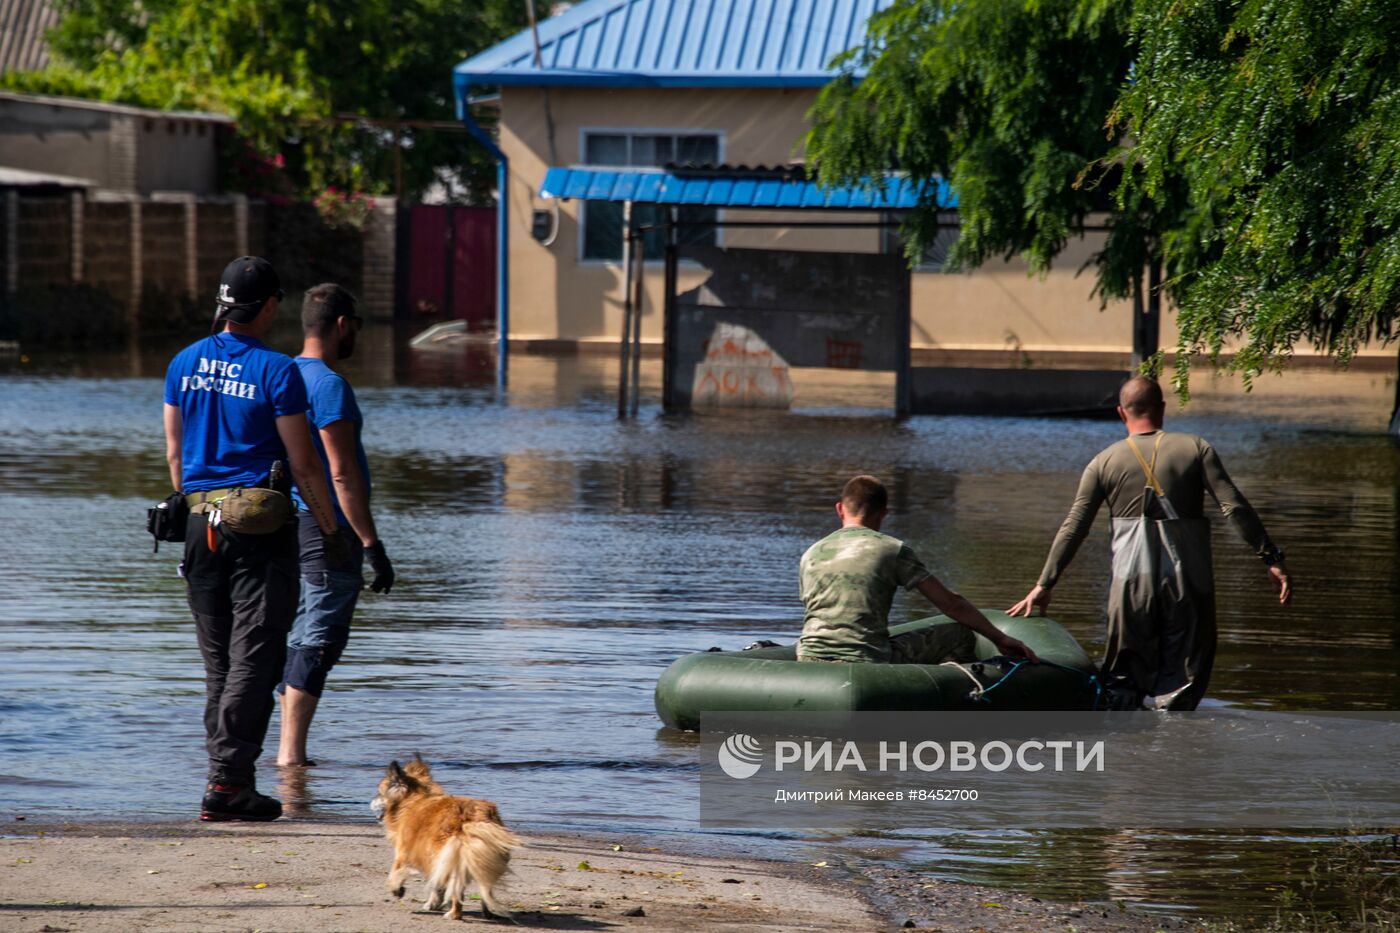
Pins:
<point x="1161" y="602"/>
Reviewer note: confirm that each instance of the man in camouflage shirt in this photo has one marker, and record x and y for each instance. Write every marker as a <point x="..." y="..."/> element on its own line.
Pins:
<point x="849" y="580"/>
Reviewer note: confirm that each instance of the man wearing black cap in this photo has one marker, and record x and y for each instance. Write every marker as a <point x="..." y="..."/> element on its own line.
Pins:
<point x="235" y="411"/>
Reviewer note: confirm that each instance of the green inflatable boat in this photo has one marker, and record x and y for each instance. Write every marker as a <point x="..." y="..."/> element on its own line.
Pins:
<point x="772" y="679"/>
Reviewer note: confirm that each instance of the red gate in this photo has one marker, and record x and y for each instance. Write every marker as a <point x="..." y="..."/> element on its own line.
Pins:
<point x="451" y="264"/>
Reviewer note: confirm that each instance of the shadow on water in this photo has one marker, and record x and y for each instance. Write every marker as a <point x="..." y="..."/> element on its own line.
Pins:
<point x="553" y="561"/>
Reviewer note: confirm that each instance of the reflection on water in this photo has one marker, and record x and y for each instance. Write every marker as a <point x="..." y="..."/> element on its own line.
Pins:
<point x="553" y="561"/>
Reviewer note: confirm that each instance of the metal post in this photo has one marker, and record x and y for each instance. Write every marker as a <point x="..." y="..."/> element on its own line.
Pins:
<point x="1139" y="332"/>
<point x="502" y="272"/>
<point x="502" y="238"/>
<point x="624" y="342"/>
<point x="903" y="365"/>
<point x="668" y="315"/>
<point x="639" y="259"/>
<point x="1152" y="324"/>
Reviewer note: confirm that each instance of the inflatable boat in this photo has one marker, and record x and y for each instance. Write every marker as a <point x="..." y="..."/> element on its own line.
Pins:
<point x="771" y="679"/>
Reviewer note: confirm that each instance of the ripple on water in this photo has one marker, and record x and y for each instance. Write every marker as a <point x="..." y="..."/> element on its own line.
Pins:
<point x="553" y="561"/>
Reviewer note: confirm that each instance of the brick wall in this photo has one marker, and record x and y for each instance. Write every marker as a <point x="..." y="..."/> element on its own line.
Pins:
<point x="257" y="228"/>
<point x="107" y="248"/>
<point x="43" y="239"/>
<point x="216" y="242"/>
<point x="163" y="247"/>
<point x="160" y="259"/>
<point x="377" y="292"/>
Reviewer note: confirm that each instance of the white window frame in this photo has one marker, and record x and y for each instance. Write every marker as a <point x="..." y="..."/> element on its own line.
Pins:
<point x="629" y="131"/>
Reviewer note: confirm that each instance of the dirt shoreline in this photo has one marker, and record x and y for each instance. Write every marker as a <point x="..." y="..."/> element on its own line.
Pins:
<point x="312" y="876"/>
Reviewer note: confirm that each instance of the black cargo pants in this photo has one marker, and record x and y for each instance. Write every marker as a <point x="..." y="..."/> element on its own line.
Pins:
<point x="244" y="597"/>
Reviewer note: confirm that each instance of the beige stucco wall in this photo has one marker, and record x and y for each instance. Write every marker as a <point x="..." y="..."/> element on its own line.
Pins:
<point x="554" y="295"/>
<point x="1001" y="307"/>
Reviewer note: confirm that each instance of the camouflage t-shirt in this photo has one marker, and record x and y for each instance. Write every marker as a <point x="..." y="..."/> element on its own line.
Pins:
<point x="848" y="582"/>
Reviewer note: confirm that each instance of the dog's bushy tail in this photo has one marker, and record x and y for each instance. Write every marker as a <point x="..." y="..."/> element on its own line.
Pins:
<point x="482" y="852"/>
<point x="486" y="850"/>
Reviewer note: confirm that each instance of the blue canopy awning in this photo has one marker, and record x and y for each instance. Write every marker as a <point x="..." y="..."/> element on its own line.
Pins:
<point x="711" y="189"/>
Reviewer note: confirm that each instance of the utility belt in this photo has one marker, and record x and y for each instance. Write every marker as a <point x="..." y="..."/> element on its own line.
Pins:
<point x="244" y="510"/>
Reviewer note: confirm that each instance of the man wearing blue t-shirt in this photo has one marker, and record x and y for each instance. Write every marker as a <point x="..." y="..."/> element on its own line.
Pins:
<point x="328" y="595"/>
<point x="234" y="412"/>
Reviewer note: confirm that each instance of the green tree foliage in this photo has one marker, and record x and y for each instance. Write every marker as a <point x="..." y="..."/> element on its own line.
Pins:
<point x="1283" y="119"/>
<point x="1249" y="151"/>
<point x="1008" y="99"/>
<point x="287" y="72"/>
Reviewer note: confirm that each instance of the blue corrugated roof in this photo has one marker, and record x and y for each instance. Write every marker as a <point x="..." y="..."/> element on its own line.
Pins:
<point x="737" y="190"/>
<point x="678" y="43"/>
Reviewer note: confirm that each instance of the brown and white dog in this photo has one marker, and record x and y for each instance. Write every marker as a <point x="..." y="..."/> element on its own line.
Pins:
<point x="449" y="840"/>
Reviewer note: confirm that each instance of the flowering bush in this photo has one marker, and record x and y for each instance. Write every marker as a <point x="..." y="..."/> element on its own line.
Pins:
<point x="344" y="208"/>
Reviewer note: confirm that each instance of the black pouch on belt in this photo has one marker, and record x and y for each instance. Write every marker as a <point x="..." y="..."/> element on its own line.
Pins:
<point x="166" y="520"/>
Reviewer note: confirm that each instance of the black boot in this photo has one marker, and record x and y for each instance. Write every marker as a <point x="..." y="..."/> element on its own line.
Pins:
<point x="238" y="802"/>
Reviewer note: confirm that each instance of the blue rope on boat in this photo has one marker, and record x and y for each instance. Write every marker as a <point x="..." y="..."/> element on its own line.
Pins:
<point x="980" y="694"/>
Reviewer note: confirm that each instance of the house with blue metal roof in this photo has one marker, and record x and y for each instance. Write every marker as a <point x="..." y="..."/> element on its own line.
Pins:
<point x="696" y="110"/>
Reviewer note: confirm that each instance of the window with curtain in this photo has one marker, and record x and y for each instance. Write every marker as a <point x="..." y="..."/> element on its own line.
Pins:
<point x="602" y="220"/>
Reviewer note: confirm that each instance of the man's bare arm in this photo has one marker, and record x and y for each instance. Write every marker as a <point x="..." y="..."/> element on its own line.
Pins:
<point x="348" y="480"/>
<point x="306" y="470"/>
<point x="956" y="607"/>
<point x="174" y="446"/>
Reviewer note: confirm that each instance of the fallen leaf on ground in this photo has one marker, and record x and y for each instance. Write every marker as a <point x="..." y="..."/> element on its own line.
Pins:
<point x="819" y="864"/>
<point x="584" y="866"/>
<point x="259" y="886"/>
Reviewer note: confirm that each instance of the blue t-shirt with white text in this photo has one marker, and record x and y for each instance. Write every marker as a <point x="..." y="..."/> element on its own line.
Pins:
<point x="230" y="390"/>
<point x="332" y="400"/>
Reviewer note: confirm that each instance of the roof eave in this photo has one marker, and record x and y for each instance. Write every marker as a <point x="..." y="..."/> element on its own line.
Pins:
<point x="612" y="79"/>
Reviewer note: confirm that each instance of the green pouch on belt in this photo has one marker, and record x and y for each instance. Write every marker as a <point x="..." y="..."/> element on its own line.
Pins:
<point x="252" y="510"/>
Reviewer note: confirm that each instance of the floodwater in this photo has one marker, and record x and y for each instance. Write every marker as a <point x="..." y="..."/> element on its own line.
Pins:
<point x="553" y="560"/>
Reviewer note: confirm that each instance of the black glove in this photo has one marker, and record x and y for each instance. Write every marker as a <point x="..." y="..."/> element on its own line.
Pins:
<point x="383" y="570"/>
<point x="336" y="550"/>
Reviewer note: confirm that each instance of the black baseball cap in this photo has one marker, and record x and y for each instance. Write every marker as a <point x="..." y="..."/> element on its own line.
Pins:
<point x="246" y="285"/>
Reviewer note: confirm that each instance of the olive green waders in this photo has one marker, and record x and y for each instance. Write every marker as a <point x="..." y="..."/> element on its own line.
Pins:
<point x="1161" y="604"/>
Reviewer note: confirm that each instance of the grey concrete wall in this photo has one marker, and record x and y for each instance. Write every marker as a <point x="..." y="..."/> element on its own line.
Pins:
<point x="62" y="141"/>
<point x="119" y="151"/>
<point x="176" y="155"/>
